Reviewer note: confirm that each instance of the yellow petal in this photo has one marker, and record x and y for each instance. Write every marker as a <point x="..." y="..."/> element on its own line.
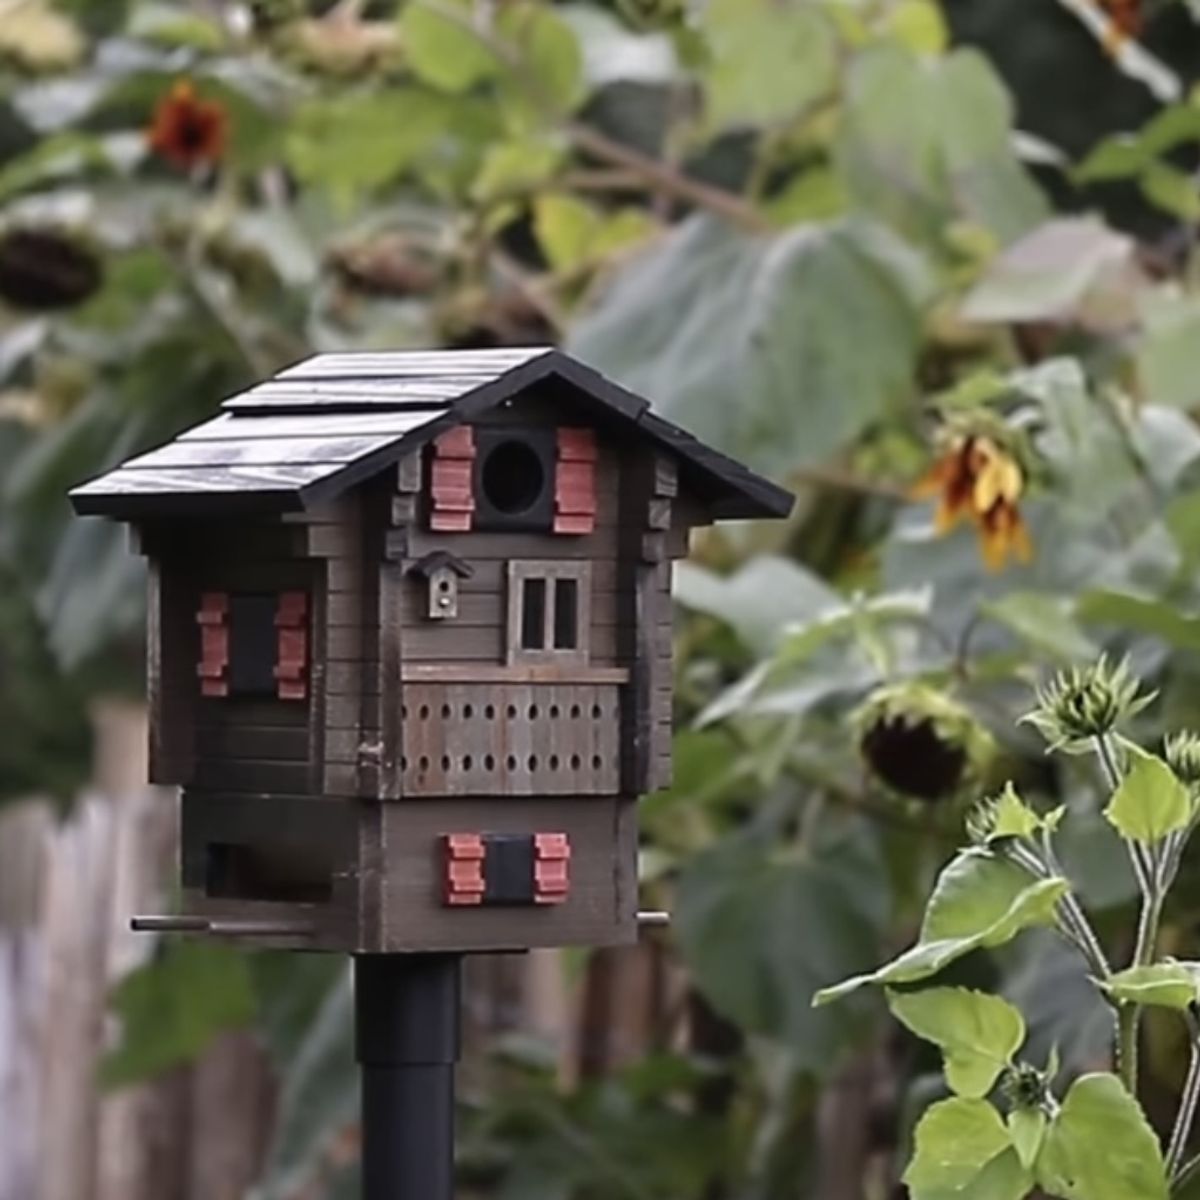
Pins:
<point x="999" y="480"/>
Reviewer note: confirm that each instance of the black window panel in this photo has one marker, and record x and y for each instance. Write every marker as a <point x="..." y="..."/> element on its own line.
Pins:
<point x="514" y="478"/>
<point x="253" y="645"/>
<point x="508" y="868"/>
<point x="533" y="614"/>
<point x="566" y="614"/>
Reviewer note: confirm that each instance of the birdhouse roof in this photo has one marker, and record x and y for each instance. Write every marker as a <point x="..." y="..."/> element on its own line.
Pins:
<point x="318" y="428"/>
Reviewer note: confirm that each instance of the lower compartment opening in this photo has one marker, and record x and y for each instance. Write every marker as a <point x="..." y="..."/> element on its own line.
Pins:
<point x="274" y="873"/>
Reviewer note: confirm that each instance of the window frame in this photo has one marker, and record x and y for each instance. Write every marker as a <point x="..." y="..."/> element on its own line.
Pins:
<point x="550" y="571"/>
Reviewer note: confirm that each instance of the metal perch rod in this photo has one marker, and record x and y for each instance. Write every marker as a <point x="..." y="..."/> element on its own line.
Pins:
<point x="220" y="928"/>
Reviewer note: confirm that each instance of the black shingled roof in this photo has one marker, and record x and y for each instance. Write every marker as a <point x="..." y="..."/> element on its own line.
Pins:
<point x="328" y="423"/>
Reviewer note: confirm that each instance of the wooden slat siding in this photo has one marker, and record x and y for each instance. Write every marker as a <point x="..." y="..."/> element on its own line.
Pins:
<point x="234" y="711"/>
<point x="598" y="909"/>
<point x="252" y="777"/>
<point x="171" y="655"/>
<point x="478" y="608"/>
<point x="255" y="742"/>
<point x="652" y="487"/>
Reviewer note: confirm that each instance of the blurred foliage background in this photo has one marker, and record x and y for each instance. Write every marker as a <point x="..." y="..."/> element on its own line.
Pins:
<point x="933" y="265"/>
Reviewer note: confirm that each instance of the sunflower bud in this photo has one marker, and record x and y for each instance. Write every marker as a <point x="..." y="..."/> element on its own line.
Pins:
<point x="1182" y="752"/>
<point x="919" y="742"/>
<point x="980" y="820"/>
<point x="1025" y="1087"/>
<point x="1085" y="703"/>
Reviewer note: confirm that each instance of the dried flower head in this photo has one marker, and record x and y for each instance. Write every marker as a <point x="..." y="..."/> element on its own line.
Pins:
<point x="919" y="742"/>
<point x="187" y="130"/>
<point x="1084" y="703"/>
<point x="980" y="480"/>
<point x="1182" y="752"/>
<point x="47" y="269"/>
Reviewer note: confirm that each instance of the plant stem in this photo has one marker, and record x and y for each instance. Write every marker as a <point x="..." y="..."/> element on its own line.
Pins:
<point x="1185" y="1175"/>
<point x="1186" y="1115"/>
<point x="1128" y="1022"/>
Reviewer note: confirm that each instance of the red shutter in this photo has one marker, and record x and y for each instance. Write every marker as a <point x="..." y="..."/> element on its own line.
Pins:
<point x="575" y="482"/>
<point x="452" y="481"/>
<point x="464" y="868"/>
<point x="291" y="660"/>
<point x="213" y="668"/>
<point x="551" y="867"/>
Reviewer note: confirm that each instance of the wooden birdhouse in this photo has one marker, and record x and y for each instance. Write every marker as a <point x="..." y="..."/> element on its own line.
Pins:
<point x="410" y="645"/>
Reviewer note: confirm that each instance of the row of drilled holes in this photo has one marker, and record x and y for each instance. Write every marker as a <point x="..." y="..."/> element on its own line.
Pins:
<point x="511" y="762"/>
<point x="573" y="712"/>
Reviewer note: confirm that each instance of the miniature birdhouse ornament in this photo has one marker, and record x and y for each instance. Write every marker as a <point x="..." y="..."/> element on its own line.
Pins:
<point x="410" y="646"/>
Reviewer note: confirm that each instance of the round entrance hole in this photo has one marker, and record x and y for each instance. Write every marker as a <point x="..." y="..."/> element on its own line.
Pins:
<point x="513" y="478"/>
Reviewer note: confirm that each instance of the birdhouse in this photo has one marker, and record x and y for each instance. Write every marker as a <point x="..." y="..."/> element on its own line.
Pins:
<point x="410" y="646"/>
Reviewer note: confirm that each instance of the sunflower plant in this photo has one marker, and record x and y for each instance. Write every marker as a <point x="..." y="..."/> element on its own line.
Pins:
<point x="1011" y="1126"/>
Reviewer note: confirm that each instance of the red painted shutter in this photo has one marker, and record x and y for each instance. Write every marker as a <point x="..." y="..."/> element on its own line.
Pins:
<point x="575" y="482"/>
<point x="551" y="867"/>
<point x="291" y="665"/>
<point x="213" y="668"/>
<point x="452" y="481"/>
<point x="464" y="868"/>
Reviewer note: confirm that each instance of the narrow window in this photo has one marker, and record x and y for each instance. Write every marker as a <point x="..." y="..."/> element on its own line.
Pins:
<point x="566" y="614"/>
<point x="548" y="612"/>
<point x="533" y="614"/>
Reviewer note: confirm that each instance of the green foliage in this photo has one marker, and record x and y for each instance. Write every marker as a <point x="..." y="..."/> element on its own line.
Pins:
<point x="171" y="1008"/>
<point x="810" y="232"/>
<point x="1097" y="1143"/>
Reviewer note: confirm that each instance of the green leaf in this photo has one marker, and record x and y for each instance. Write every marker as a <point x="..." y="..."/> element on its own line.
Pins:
<point x="962" y="1148"/>
<point x="1153" y="617"/>
<point x="925" y="141"/>
<point x="1013" y="817"/>
<point x="511" y="169"/>
<point x="443" y="46"/>
<point x="1120" y="157"/>
<point x="1027" y="1128"/>
<point x="980" y="901"/>
<point x="769" y="60"/>
<point x="1151" y="802"/>
<point x="814" y="331"/>
<point x="1172" y="190"/>
<point x="1165" y="985"/>
<point x="549" y="76"/>
<point x="172" y="1007"/>
<point x="977" y="1033"/>
<point x="760" y="600"/>
<point x="760" y="930"/>
<point x="1045" y="623"/>
<point x="1168" y="355"/>
<point x="573" y="233"/>
<point x="1101" y="1147"/>
<point x="1070" y="268"/>
<point x="919" y="25"/>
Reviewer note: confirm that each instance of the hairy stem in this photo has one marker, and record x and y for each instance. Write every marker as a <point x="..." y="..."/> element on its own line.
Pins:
<point x="1128" y="1022"/>
<point x="1185" y="1175"/>
<point x="1186" y="1115"/>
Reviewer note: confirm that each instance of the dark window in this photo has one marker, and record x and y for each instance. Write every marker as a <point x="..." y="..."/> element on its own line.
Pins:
<point x="253" y="645"/>
<point x="282" y="874"/>
<point x="533" y="614"/>
<point x="566" y="614"/>
<point x="514" y="478"/>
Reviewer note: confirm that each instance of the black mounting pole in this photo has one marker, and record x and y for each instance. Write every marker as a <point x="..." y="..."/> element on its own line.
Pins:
<point x="407" y="1036"/>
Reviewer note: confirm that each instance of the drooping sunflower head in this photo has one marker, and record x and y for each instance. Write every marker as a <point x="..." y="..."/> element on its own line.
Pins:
<point x="188" y="130"/>
<point x="921" y="743"/>
<point x="979" y="476"/>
